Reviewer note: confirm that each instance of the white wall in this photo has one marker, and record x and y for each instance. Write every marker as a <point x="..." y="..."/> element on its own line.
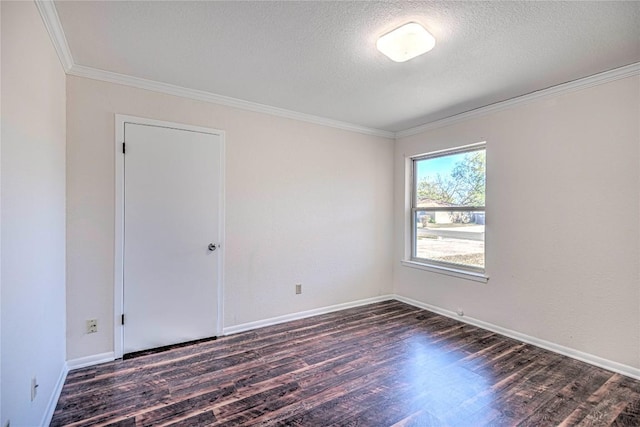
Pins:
<point x="304" y="204"/>
<point x="563" y="229"/>
<point x="33" y="211"/>
<point x="1" y="417"/>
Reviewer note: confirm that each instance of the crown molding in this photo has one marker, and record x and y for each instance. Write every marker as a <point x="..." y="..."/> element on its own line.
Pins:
<point x="54" y="27"/>
<point x="583" y="83"/>
<point x="199" y="95"/>
<point x="51" y="20"/>
<point x="594" y="80"/>
<point x="52" y="23"/>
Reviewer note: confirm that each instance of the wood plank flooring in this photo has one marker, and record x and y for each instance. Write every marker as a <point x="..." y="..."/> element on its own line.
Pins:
<point x="385" y="364"/>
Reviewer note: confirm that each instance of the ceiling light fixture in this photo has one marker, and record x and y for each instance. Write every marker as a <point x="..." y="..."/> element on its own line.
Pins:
<point x="406" y="42"/>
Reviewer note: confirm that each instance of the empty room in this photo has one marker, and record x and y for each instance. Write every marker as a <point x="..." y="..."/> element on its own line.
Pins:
<point x="319" y="213"/>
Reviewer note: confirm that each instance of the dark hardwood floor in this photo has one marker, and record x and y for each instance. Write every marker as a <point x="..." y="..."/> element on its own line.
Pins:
<point x="385" y="364"/>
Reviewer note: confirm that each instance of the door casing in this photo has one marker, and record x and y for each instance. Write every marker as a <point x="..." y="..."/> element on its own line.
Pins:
<point x="118" y="294"/>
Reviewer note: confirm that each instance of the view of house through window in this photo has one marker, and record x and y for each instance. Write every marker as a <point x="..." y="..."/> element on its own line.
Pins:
<point x="448" y="208"/>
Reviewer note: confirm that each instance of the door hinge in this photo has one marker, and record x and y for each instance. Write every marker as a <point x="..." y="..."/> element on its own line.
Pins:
<point x="122" y="320"/>
<point x="123" y="148"/>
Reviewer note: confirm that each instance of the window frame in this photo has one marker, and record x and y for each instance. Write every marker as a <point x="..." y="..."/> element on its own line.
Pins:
<point x="458" y="270"/>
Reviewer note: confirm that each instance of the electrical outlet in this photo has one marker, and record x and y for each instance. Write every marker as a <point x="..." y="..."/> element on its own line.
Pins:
<point x="92" y="326"/>
<point x="298" y="288"/>
<point x="34" y="388"/>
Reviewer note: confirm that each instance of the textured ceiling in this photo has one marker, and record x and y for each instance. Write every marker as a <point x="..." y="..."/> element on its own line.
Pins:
<point x="320" y="58"/>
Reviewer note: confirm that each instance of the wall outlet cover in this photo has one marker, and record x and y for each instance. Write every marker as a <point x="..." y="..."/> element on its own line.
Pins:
<point x="92" y="326"/>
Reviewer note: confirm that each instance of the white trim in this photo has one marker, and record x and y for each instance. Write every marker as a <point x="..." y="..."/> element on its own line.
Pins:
<point x="51" y="21"/>
<point x="474" y="146"/>
<point x="94" y="359"/>
<point x="462" y="274"/>
<point x="583" y="83"/>
<point x="303" y="314"/>
<point x="409" y="259"/>
<point x="118" y="292"/>
<point x="221" y="235"/>
<point x="54" y="27"/>
<point x="55" y="395"/>
<point x="556" y="348"/>
<point x="200" y="95"/>
<point x="547" y="345"/>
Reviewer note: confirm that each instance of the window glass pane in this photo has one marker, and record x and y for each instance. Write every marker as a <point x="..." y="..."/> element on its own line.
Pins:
<point x="450" y="236"/>
<point x="451" y="180"/>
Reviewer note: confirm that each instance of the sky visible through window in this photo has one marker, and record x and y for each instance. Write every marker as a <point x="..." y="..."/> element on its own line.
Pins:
<point x="430" y="168"/>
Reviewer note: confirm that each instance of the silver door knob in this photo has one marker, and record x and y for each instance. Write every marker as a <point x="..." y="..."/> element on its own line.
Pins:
<point x="212" y="247"/>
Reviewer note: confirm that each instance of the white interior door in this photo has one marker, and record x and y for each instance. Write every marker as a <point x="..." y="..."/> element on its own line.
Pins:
<point x="171" y="258"/>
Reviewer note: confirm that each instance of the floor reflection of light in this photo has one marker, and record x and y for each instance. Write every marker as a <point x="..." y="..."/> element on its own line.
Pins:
<point x="440" y="382"/>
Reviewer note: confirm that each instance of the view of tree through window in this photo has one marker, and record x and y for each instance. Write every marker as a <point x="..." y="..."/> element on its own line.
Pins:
<point x="448" y="208"/>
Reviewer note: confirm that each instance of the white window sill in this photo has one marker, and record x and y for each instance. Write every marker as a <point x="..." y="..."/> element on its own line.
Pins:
<point x="462" y="274"/>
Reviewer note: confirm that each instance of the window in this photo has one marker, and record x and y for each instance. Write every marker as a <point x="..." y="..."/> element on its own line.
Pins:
<point x="448" y="209"/>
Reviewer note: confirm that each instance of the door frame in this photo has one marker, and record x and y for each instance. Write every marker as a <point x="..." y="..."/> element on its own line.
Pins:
<point x="118" y="294"/>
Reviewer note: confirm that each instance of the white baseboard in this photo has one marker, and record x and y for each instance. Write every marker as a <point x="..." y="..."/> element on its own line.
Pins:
<point x="55" y="395"/>
<point x="556" y="348"/>
<point x="95" y="359"/>
<point x="303" y="314"/>
<point x="68" y="366"/>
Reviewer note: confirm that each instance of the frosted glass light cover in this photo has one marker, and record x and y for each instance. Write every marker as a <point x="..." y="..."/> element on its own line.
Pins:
<point x="406" y="42"/>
